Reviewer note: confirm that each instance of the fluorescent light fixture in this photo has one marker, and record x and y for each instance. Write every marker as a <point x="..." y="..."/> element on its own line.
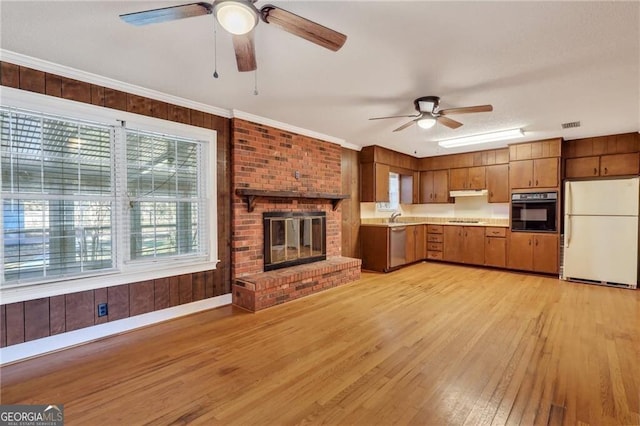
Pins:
<point x="482" y="138"/>
<point x="236" y="17"/>
<point x="426" y="122"/>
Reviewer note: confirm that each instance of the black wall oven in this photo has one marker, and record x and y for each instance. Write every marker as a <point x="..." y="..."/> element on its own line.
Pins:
<point x="534" y="211"/>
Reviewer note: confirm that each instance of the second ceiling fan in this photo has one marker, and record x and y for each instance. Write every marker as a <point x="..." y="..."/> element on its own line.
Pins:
<point x="429" y="113"/>
<point x="240" y="17"/>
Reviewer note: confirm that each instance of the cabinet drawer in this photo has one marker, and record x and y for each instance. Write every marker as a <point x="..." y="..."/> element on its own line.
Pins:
<point x="495" y="232"/>
<point x="435" y="255"/>
<point x="434" y="246"/>
<point x="434" y="229"/>
<point x="434" y="238"/>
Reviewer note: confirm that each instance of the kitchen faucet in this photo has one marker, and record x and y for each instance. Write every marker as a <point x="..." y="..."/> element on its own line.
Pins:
<point x="394" y="216"/>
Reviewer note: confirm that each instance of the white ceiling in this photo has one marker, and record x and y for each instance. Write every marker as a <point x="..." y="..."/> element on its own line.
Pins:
<point x="539" y="64"/>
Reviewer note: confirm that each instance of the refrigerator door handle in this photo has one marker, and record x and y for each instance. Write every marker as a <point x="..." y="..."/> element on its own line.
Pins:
<point x="567" y="230"/>
<point x="568" y="200"/>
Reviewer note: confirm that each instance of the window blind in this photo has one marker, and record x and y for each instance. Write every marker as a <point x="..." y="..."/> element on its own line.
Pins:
<point x="166" y="196"/>
<point x="57" y="196"/>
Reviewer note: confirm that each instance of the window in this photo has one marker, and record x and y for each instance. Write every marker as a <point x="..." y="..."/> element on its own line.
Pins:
<point x="57" y="196"/>
<point x="165" y="195"/>
<point x="86" y="198"/>
<point x="394" y="194"/>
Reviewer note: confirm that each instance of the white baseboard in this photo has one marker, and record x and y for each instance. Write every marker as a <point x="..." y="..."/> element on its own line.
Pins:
<point x="42" y="346"/>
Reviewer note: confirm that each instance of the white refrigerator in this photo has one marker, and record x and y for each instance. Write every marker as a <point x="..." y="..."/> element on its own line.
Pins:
<point x="601" y="231"/>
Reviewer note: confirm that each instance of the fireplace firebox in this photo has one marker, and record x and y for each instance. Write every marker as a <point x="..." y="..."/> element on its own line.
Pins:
<point x="293" y="238"/>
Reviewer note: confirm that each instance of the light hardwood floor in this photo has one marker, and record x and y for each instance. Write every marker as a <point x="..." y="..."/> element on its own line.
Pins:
<point x="431" y="344"/>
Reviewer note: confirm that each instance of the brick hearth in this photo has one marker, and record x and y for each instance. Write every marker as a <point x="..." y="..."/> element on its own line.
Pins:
<point x="260" y="291"/>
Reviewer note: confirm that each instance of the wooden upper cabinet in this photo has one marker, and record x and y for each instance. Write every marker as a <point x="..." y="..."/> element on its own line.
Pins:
<point x="498" y="183"/>
<point x="458" y="179"/>
<point x="582" y="167"/>
<point x="614" y="155"/>
<point x="604" y="165"/>
<point x="521" y="174"/>
<point x="546" y="173"/>
<point x="407" y="189"/>
<point x="467" y="178"/>
<point x="620" y="164"/>
<point x="374" y="182"/>
<point x="434" y="186"/>
<point x="477" y="178"/>
<point x="532" y="150"/>
<point x="539" y="173"/>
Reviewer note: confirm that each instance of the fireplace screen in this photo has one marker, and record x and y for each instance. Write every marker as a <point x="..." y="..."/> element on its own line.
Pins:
<point x="293" y="238"/>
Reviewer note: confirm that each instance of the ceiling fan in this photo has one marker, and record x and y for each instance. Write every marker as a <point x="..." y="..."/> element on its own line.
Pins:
<point x="429" y="113"/>
<point x="239" y="17"/>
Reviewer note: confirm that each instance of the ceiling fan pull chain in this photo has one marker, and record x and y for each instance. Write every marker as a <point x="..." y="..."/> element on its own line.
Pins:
<point x="255" y="88"/>
<point x="215" y="49"/>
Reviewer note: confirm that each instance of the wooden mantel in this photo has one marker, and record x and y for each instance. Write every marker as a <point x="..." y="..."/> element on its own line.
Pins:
<point x="250" y="196"/>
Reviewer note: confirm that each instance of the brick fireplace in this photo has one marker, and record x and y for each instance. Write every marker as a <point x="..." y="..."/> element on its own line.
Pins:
<point x="269" y="159"/>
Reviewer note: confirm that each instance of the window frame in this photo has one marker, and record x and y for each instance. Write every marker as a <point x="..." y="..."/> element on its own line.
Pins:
<point x="127" y="271"/>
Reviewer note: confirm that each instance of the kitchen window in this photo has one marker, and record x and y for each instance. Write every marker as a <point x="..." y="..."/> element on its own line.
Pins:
<point x="394" y="194"/>
<point x="89" y="199"/>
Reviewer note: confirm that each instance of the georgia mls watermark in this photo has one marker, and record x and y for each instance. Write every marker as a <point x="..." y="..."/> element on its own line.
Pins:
<point x="32" y="415"/>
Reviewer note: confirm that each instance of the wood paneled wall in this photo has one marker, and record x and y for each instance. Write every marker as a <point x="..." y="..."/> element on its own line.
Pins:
<point x="24" y="321"/>
<point x="350" y="207"/>
<point x="34" y="319"/>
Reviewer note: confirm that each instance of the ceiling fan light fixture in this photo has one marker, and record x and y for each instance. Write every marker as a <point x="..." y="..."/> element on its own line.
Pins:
<point x="237" y="17"/>
<point x="426" y="122"/>
<point x="482" y="138"/>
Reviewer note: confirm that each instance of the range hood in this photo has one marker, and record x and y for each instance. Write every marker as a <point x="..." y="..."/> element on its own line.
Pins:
<point x="468" y="193"/>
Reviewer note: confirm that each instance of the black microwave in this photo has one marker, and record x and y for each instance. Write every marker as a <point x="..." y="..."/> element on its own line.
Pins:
<point x="534" y="211"/>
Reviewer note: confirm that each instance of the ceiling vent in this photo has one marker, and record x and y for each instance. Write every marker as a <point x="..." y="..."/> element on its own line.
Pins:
<point x="571" y="125"/>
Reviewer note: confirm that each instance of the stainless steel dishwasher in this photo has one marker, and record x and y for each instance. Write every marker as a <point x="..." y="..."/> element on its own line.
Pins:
<point x="397" y="246"/>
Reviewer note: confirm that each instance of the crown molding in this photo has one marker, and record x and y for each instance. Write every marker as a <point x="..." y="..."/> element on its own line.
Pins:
<point x="64" y="71"/>
<point x="294" y="129"/>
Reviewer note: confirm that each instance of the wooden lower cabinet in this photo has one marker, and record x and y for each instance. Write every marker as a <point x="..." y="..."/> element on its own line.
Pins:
<point x="529" y="251"/>
<point x="374" y="246"/>
<point x="435" y="242"/>
<point x="415" y="243"/>
<point x="464" y="244"/>
<point x="495" y="247"/>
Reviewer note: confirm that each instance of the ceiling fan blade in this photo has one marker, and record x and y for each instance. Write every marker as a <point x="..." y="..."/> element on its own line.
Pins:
<point x="245" y="52"/>
<point x="302" y="27"/>
<point x="466" y="110"/>
<point x="405" y="125"/>
<point x="165" y="14"/>
<point x="395" y="116"/>
<point x="446" y="121"/>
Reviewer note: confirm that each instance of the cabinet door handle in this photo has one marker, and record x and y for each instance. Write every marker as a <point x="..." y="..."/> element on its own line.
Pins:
<point x="491" y="194"/>
<point x="529" y="183"/>
<point x="465" y="234"/>
<point x="605" y="171"/>
<point x="430" y="196"/>
<point x="536" y="242"/>
<point x="529" y="241"/>
<point x="488" y="240"/>
<point x="595" y="171"/>
<point x="536" y="182"/>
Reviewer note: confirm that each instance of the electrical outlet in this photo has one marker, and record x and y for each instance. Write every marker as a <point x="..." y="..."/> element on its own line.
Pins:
<point x="103" y="310"/>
